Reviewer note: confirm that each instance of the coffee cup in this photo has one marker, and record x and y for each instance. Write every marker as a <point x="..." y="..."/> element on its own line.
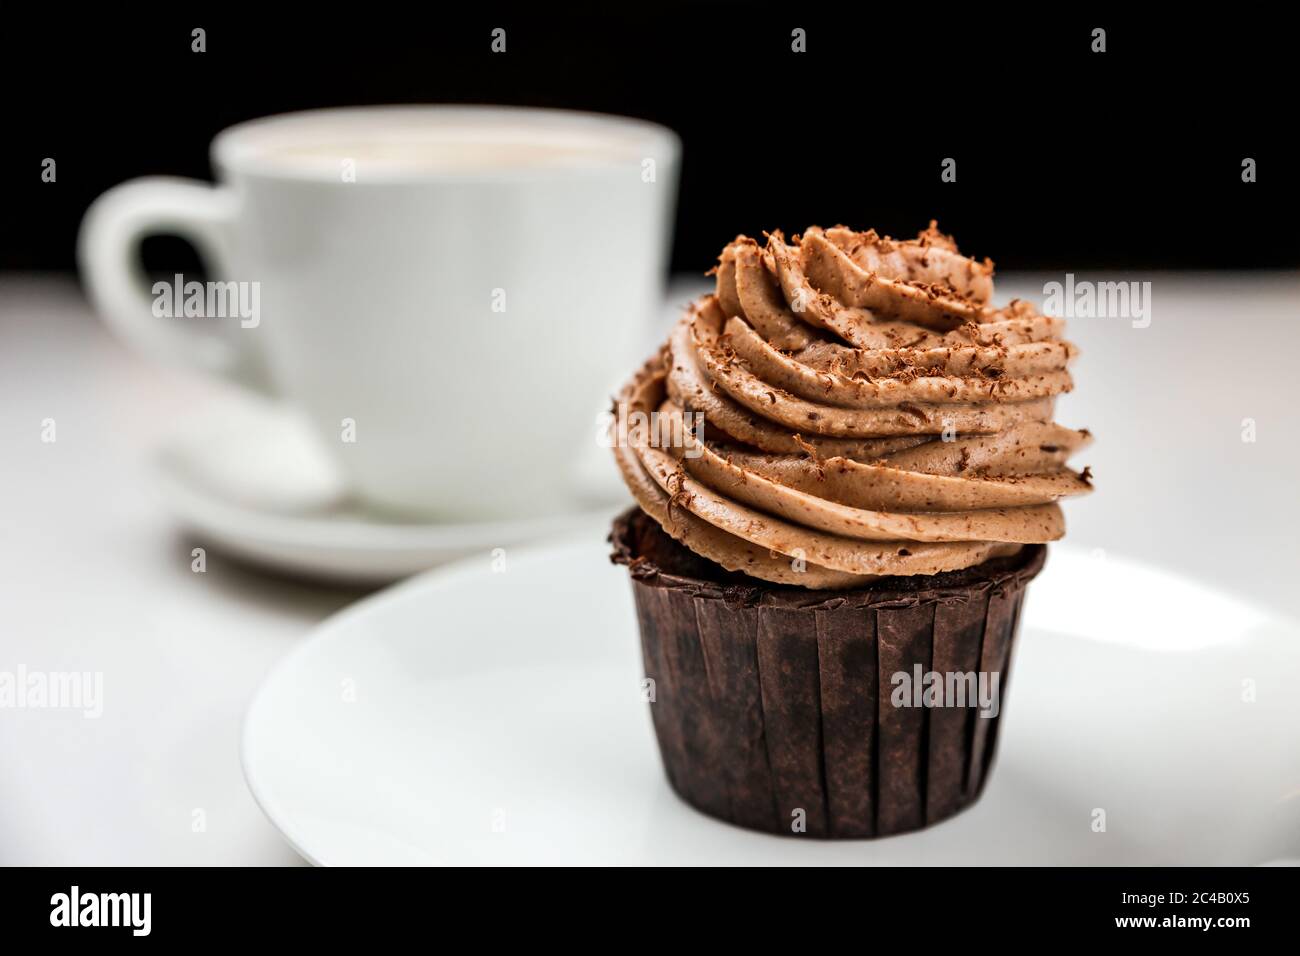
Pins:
<point x="441" y="291"/>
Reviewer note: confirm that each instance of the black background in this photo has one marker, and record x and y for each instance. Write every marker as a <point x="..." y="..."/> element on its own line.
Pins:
<point x="1065" y="158"/>
<point x="335" y="908"/>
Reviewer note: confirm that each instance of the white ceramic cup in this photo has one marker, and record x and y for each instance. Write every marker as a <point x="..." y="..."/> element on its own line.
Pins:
<point x="448" y="293"/>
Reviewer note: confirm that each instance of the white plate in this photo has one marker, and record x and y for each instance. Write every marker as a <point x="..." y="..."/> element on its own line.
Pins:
<point x="481" y="716"/>
<point x="253" y="481"/>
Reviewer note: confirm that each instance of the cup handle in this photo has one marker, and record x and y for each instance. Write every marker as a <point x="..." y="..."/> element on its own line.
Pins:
<point x="108" y="254"/>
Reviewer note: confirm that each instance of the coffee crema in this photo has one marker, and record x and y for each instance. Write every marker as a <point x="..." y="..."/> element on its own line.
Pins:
<point x="450" y="154"/>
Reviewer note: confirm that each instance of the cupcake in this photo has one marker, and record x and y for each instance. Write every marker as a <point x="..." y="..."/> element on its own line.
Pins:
<point x="846" y="471"/>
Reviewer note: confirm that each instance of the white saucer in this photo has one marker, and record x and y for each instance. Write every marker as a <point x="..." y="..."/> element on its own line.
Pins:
<point x="478" y="717"/>
<point x="253" y="481"/>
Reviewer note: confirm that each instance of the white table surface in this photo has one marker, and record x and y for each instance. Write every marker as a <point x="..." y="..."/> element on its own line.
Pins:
<point x="94" y="576"/>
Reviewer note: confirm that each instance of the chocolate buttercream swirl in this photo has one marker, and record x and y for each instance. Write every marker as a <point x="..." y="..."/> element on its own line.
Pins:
<point x="866" y="412"/>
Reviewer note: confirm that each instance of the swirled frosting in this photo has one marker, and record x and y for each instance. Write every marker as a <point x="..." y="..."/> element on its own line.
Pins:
<point x="846" y="406"/>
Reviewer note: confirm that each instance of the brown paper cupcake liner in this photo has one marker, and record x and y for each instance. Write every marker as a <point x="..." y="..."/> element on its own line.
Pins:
<point x="772" y="705"/>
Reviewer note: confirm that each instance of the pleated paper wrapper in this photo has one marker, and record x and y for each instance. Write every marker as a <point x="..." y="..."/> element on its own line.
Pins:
<point x="772" y="705"/>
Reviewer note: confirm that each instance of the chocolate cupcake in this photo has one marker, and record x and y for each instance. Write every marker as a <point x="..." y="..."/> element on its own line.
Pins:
<point x="847" y="469"/>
